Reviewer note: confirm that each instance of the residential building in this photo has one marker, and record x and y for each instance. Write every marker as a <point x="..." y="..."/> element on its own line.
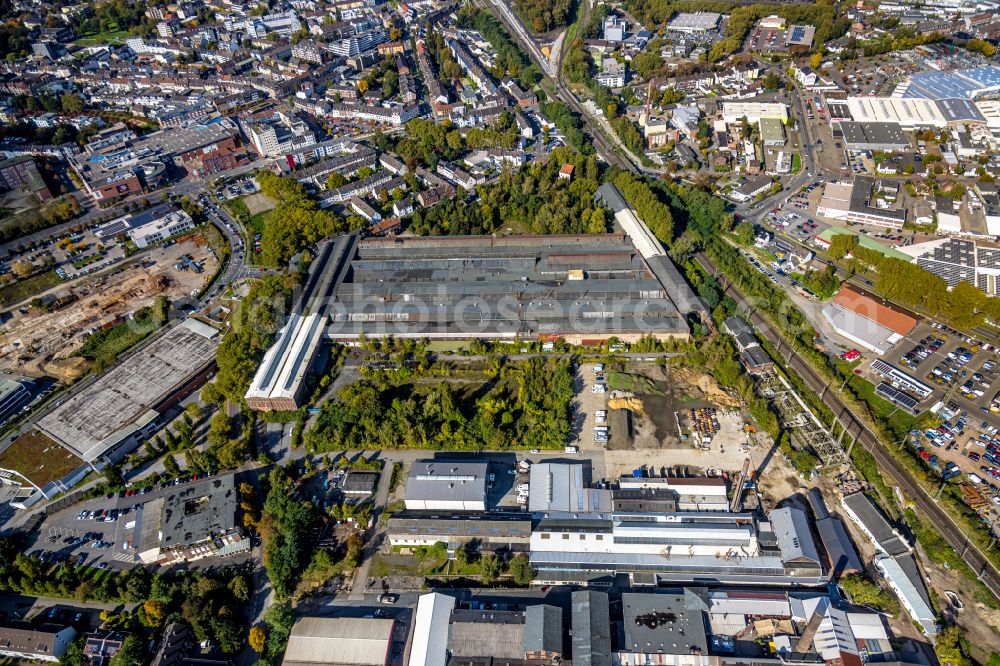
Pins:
<point x="752" y="188"/>
<point x="102" y="645"/>
<point x="612" y="73"/>
<point x="46" y="642"/>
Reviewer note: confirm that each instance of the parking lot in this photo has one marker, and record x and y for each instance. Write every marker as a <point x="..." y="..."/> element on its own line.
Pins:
<point x="959" y="368"/>
<point x="587" y="404"/>
<point x="99" y="533"/>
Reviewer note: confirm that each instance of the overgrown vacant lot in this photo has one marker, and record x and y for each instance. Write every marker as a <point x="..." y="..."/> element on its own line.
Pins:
<point x="521" y="405"/>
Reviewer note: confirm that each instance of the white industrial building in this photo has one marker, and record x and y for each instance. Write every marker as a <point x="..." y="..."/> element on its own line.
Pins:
<point x="345" y="641"/>
<point x="706" y="493"/>
<point x="280" y="379"/>
<point x="681" y="534"/>
<point x="909" y="113"/>
<point x="734" y="112"/>
<point x="446" y="485"/>
<point x="692" y="22"/>
<point x="430" y="634"/>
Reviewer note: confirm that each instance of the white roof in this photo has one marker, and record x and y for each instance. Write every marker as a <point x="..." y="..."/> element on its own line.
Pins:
<point x="908" y="593"/>
<point x="338" y="640"/>
<point x="443" y="480"/>
<point x="906" y="112"/>
<point x="284" y="365"/>
<point x="868" y="626"/>
<point x="430" y="630"/>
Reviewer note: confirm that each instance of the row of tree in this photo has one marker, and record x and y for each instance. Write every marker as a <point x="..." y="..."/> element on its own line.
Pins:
<point x="964" y="305"/>
<point x="568" y="122"/>
<point x="254" y="324"/>
<point x="284" y="528"/>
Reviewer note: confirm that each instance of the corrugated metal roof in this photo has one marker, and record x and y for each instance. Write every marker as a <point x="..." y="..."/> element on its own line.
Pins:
<point x="486" y="633"/>
<point x="430" y="630"/>
<point x="446" y="480"/>
<point x="794" y="538"/>
<point x="543" y="629"/>
<point x="339" y="640"/>
<point x="591" y="623"/>
<point x="842" y="555"/>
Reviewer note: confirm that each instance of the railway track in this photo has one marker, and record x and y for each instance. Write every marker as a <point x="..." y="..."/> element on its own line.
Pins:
<point x="926" y="506"/>
<point x="604" y="146"/>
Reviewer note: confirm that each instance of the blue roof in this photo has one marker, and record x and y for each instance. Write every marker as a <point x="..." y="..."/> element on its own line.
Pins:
<point x="960" y="84"/>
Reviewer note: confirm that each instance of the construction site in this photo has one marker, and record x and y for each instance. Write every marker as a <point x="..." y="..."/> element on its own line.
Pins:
<point x="40" y="337"/>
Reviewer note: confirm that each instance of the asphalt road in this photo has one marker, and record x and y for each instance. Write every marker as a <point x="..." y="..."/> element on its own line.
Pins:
<point x="925" y="504"/>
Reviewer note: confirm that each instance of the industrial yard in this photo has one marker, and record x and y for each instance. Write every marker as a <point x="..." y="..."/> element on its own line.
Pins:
<point x="42" y="338"/>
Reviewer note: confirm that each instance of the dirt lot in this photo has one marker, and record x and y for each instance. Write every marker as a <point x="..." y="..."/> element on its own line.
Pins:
<point x="34" y="338"/>
<point x="641" y="404"/>
<point x="258" y="203"/>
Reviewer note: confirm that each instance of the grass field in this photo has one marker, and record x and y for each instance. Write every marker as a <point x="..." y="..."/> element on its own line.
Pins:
<point x="103" y="38"/>
<point x="257" y="223"/>
<point x="80" y="263"/>
<point x="23" y="289"/>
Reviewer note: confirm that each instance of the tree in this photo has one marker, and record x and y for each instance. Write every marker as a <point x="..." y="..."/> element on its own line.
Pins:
<point x="219" y="429"/>
<point x="22" y="268"/>
<point x="521" y="570"/>
<point x="335" y="180"/>
<point x="842" y="245"/>
<point x="462" y="555"/>
<point x="363" y="86"/>
<point x="489" y="566"/>
<point x="744" y="233"/>
<point x="130" y="653"/>
<point x="355" y="544"/>
<point x="156" y="611"/>
<point x="866" y="593"/>
<point x="170" y="465"/>
<point x="815" y="60"/>
<point x="258" y="639"/>
<point x="193" y="410"/>
<point x="71" y="102"/>
<point x="240" y="588"/>
<point x="952" y="647"/>
<point x="210" y="394"/>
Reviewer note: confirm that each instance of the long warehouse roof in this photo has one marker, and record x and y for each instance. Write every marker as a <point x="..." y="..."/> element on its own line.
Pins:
<point x="285" y="363"/>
